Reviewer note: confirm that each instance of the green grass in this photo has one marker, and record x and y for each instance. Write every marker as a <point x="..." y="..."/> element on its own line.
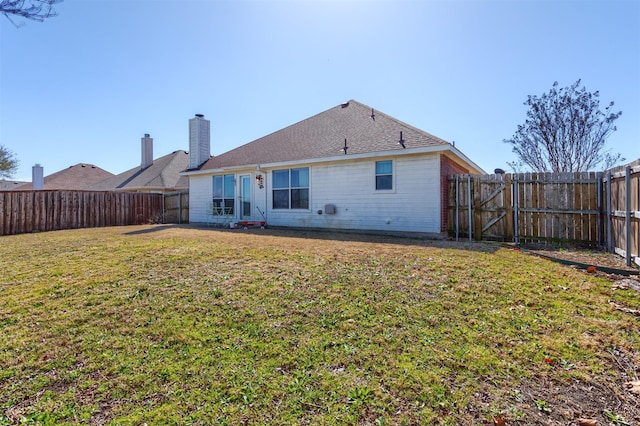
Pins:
<point x="185" y="326"/>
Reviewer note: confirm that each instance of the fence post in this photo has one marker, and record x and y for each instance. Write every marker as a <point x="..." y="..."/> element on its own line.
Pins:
<point x="457" y="221"/>
<point x="599" y="237"/>
<point x="627" y="220"/>
<point x="477" y="207"/>
<point x="508" y="205"/>
<point x="515" y="210"/>
<point x="469" y="205"/>
<point x="609" y="219"/>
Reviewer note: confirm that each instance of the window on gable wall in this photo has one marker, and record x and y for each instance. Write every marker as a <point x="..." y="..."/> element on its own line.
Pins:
<point x="291" y="188"/>
<point x="224" y="193"/>
<point x="384" y="175"/>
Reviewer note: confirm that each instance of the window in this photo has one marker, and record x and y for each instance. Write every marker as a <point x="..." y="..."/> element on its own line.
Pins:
<point x="224" y="194"/>
<point x="384" y="175"/>
<point x="291" y="188"/>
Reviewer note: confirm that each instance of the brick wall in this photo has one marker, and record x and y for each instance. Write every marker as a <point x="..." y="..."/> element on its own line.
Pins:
<point x="447" y="168"/>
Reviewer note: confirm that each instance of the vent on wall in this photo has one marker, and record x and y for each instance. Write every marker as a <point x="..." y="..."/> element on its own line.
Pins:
<point x="330" y="208"/>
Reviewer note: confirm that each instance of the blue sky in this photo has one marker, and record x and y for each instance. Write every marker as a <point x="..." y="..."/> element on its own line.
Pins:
<point x="85" y="86"/>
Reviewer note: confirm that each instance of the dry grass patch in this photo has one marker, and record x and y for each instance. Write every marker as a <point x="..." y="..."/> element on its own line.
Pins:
<point x="164" y="324"/>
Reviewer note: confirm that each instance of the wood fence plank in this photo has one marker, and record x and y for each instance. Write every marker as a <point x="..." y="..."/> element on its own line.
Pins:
<point x="28" y="211"/>
<point x="3" y="194"/>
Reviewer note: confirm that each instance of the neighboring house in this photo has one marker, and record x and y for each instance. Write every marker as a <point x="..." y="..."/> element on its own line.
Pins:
<point x="78" y="177"/>
<point x="161" y="175"/>
<point x="10" y="185"/>
<point x="350" y="167"/>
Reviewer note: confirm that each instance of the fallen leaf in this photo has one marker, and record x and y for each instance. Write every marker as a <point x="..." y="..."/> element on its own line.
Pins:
<point x="627" y="283"/>
<point x="587" y="422"/>
<point x="635" y="312"/>
<point x="591" y="269"/>
<point x="499" y="421"/>
<point x="634" y="387"/>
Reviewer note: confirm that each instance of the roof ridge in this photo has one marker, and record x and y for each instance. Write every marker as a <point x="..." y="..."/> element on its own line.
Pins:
<point x="316" y="135"/>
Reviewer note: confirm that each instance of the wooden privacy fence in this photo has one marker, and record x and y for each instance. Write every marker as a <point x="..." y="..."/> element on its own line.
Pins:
<point x="622" y="184"/>
<point x="595" y="209"/>
<point x="29" y="211"/>
<point x="176" y="207"/>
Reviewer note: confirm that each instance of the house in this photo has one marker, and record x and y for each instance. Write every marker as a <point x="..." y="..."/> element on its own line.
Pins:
<point x="76" y="177"/>
<point x="10" y="185"/>
<point x="349" y="167"/>
<point x="161" y="175"/>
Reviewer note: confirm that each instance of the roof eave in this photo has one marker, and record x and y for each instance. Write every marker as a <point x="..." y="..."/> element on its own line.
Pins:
<point x="340" y="158"/>
<point x="466" y="159"/>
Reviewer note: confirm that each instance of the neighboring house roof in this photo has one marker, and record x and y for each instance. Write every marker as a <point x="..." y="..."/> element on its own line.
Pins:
<point x="78" y="177"/>
<point x="10" y="185"/>
<point x="323" y="135"/>
<point x="163" y="174"/>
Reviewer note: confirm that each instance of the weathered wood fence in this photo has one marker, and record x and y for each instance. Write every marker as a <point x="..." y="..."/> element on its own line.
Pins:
<point x="176" y="207"/>
<point x="29" y="211"/>
<point x="622" y="186"/>
<point x="594" y="209"/>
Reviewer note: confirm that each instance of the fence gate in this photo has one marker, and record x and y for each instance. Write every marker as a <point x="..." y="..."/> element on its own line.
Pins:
<point x="492" y="208"/>
<point x="527" y="207"/>
<point x="176" y="207"/>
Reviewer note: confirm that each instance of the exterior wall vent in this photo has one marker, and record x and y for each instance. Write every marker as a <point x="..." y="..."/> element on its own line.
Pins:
<point x="330" y="208"/>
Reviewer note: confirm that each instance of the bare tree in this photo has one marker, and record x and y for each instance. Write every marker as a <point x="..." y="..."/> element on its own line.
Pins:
<point x="36" y="10"/>
<point x="8" y="163"/>
<point x="565" y="131"/>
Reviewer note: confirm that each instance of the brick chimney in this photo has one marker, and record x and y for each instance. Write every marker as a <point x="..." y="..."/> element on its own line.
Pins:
<point x="37" y="177"/>
<point x="199" y="141"/>
<point x="147" y="151"/>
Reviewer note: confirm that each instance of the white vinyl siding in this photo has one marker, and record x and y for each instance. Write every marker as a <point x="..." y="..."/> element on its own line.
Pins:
<point x="412" y="206"/>
<point x="200" y="195"/>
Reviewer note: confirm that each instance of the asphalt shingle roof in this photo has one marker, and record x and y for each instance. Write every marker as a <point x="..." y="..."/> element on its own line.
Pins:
<point x="10" y="185"/>
<point x="162" y="174"/>
<point x="365" y="129"/>
<point x="77" y="177"/>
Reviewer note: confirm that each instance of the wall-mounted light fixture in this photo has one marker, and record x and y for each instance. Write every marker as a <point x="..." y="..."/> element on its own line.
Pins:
<point x="260" y="181"/>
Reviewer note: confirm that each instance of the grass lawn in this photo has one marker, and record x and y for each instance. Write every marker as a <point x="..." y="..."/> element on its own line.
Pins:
<point x="168" y="324"/>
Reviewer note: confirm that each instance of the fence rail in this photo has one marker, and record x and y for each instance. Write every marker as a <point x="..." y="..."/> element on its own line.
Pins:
<point x="596" y="209"/>
<point x="29" y="211"/>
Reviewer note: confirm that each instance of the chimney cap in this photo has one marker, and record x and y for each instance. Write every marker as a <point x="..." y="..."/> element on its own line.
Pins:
<point x="200" y="115"/>
<point x="146" y="135"/>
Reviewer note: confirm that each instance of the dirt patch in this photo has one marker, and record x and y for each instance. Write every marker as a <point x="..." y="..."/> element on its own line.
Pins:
<point x="593" y="260"/>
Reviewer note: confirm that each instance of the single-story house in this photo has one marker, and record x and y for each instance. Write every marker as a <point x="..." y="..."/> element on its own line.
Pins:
<point x="349" y="167"/>
<point x="160" y="175"/>
<point x="10" y="185"/>
<point x="74" y="178"/>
